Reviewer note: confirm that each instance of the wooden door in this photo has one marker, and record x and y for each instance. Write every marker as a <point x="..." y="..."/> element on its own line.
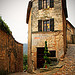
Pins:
<point x="40" y="59"/>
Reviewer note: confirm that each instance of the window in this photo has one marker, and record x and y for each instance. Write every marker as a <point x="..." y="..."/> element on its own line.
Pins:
<point x="39" y="25"/>
<point x="52" y="53"/>
<point x="48" y="25"/>
<point x="46" y="4"/>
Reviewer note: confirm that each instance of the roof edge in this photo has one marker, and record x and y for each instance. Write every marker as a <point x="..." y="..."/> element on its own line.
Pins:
<point x="70" y="24"/>
<point x="28" y="11"/>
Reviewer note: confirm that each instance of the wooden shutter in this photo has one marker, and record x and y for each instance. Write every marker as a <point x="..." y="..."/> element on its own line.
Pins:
<point x="40" y="4"/>
<point x="39" y="25"/>
<point x="51" y="24"/>
<point x="51" y="3"/>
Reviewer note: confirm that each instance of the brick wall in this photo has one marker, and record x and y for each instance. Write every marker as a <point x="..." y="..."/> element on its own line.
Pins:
<point x="11" y="53"/>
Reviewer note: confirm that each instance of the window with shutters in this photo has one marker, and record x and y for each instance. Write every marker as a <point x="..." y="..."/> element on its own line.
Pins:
<point x="43" y="4"/>
<point x="48" y="25"/>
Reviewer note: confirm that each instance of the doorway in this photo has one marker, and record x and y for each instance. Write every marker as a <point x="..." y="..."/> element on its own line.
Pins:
<point x="40" y="57"/>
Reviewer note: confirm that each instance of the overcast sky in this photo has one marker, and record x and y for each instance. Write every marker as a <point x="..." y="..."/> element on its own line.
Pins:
<point x="13" y="12"/>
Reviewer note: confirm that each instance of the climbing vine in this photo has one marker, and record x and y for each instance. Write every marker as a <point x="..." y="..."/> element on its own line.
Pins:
<point x="46" y="54"/>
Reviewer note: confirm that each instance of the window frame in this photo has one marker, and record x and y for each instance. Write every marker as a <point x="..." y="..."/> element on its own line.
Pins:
<point x="46" y="25"/>
<point x="51" y="4"/>
<point x="42" y="25"/>
<point x="52" y="53"/>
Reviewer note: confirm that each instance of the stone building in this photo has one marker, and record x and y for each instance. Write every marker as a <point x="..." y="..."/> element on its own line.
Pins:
<point x="11" y="52"/>
<point x="46" y="21"/>
<point x="70" y="33"/>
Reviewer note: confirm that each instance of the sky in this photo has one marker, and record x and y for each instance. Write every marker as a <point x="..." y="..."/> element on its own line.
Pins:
<point x="14" y="12"/>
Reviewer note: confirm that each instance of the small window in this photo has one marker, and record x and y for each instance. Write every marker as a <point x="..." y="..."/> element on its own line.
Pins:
<point x="39" y="25"/>
<point x="46" y="4"/>
<point x="48" y="25"/>
<point x="51" y="3"/>
<point x="52" y="53"/>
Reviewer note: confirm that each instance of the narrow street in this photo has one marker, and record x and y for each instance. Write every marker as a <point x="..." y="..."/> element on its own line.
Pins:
<point x="67" y="69"/>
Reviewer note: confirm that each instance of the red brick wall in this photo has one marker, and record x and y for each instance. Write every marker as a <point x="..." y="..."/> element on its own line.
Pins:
<point x="11" y="53"/>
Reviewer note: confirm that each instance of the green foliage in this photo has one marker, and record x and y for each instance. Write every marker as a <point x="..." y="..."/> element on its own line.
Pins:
<point x="45" y="57"/>
<point x="4" y="26"/>
<point x="25" y="65"/>
<point x="47" y="60"/>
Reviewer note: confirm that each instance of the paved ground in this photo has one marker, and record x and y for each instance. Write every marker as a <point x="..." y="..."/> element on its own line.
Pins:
<point x="20" y="73"/>
<point x="68" y="65"/>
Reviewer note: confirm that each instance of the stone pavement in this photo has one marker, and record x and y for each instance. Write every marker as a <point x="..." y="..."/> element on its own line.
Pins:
<point x="68" y="67"/>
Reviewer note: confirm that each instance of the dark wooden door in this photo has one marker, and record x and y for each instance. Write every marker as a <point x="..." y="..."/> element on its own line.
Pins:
<point x="40" y="59"/>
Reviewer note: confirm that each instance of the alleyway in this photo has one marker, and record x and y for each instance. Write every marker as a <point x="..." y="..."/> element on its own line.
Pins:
<point x="68" y="64"/>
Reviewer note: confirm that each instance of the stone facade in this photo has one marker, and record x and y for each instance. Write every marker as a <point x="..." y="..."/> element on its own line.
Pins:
<point x="11" y="53"/>
<point x="46" y="14"/>
<point x="70" y="32"/>
<point x="56" y="40"/>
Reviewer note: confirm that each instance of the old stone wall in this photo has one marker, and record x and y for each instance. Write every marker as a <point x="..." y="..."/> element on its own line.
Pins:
<point x="55" y="39"/>
<point x="54" y="42"/>
<point x="70" y="32"/>
<point x="47" y="14"/>
<point x="11" y="53"/>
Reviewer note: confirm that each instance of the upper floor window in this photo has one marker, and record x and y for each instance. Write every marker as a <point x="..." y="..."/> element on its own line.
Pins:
<point x="47" y="25"/>
<point x="43" y="4"/>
